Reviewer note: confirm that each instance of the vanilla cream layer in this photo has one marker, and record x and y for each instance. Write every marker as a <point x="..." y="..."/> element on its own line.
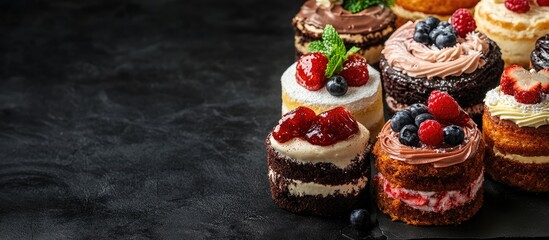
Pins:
<point x="524" y="115"/>
<point x="521" y="158"/>
<point x="450" y="199"/>
<point x="300" y="188"/>
<point x="339" y="154"/>
<point x="354" y="100"/>
<point x="414" y="15"/>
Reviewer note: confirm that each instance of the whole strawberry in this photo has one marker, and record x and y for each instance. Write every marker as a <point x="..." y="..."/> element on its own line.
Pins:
<point x="310" y="71"/>
<point x="355" y="70"/>
<point x="463" y="21"/>
<point x="518" y="6"/>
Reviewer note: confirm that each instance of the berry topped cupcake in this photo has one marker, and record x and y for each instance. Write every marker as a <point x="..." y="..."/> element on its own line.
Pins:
<point x="514" y="25"/>
<point x="366" y="24"/>
<point x="318" y="164"/>
<point x="432" y="55"/>
<point x="539" y="59"/>
<point x="430" y="164"/>
<point x="516" y="129"/>
<point x="332" y="76"/>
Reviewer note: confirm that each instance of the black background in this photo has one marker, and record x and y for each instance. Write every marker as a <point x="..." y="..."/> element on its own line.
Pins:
<point x="146" y="120"/>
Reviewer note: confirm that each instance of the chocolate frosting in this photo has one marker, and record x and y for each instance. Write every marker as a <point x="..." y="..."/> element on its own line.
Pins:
<point x="540" y="55"/>
<point x="371" y="19"/>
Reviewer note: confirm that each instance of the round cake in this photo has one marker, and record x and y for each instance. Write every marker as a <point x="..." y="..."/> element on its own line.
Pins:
<point x="515" y="30"/>
<point x="367" y="29"/>
<point x="539" y="59"/>
<point x="310" y="173"/>
<point x="516" y="130"/>
<point x="412" y="10"/>
<point x="412" y="69"/>
<point x="430" y="167"/>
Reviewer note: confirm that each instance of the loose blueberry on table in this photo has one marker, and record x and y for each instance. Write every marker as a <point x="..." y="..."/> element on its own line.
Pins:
<point x="360" y="219"/>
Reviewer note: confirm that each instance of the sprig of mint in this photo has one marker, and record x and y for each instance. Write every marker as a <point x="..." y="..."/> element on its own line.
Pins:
<point x="355" y="6"/>
<point x="332" y="47"/>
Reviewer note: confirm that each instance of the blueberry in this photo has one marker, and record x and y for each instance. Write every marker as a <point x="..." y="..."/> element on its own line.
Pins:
<point x="360" y="218"/>
<point x="432" y="22"/>
<point x="423" y="27"/>
<point x="422" y="37"/>
<point x="443" y="24"/>
<point x="445" y="39"/>
<point x="418" y="108"/>
<point x="422" y="117"/>
<point x="408" y="135"/>
<point x="453" y="135"/>
<point x="337" y="86"/>
<point x="401" y="119"/>
<point x="433" y="34"/>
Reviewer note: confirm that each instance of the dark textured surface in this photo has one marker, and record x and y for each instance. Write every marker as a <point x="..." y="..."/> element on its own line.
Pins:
<point x="146" y="120"/>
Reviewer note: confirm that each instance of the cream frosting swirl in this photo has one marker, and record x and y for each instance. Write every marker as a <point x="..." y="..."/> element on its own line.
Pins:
<point x="439" y="157"/>
<point x="524" y="115"/>
<point x="419" y="60"/>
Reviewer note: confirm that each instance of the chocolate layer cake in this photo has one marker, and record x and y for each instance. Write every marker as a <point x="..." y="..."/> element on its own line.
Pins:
<point x="403" y="89"/>
<point x="367" y="29"/>
<point x="539" y="59"/>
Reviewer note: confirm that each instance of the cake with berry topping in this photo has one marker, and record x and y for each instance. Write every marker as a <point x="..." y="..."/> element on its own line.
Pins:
<point x="430" y="163"/>
<point x="539" y="58"/>
<point x="412" y="10"/>
<point x="429" y="55"/>
<point x="366" y="24"/>
<point x="318" y="164"/>
<point x="516" y="129"/>
<point x="514" y="25"/>
<point x="331" y="76"/>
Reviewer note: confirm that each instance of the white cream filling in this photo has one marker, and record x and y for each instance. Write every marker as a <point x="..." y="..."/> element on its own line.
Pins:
<point x="339" y="154"/>
<point x="521" y="158"/>
<point x="300" y="188"/>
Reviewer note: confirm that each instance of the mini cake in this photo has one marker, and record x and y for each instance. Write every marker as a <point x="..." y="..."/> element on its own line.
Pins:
<point x="430" y="164"/>
<point x="539" y="59"/>
<point x="516" y="129"/>
<point x="318" y="164"/>
<point x="412" y="10"/>
<point x="432" y="55"/>
<point x="514" y="25"/>
<point x="343" y="79"/>
<point x="365" y="24"/>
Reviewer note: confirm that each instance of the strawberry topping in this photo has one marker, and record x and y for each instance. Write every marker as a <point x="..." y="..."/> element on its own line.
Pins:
<point x="518" y="6"/>
<point x="331" y="126"/>
<point x="293" y="124"/>
<point x="310" y="71"/>
<point x="526" y="86"/>
<point x="355" y="70"/>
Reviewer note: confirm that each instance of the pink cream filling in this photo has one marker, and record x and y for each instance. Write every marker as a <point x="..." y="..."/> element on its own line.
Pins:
<point x="430" y="201"/>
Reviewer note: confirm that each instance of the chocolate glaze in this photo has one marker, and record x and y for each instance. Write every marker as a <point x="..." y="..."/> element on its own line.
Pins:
<point x="540" y="55"/>
<point x="468" y="89"/>
<point x="371" y="19"/>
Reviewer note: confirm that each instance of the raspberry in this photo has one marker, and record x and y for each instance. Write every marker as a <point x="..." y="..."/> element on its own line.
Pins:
<point x="293" y="124"/>
<point x="355" y="70"/>
<point x="442" y="106"/>
<point x="463" y="22"/>
<point x="430" y="132"/>
<point x="331" y="126"/>
<point x="310" y="71"/>
<point x="518" y="6"/>
<point x="463" y="119"/>
<point x="543" y="3"/>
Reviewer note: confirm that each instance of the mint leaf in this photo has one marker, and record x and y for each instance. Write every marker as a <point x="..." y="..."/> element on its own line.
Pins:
<point x="355" y="6"/>
<point x="333" y="48"/>
<point x="351" y="51"/>
<point x="316" y="46"/>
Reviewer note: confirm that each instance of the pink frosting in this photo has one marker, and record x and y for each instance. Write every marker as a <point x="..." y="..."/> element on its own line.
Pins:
<point x="419" y="60"/>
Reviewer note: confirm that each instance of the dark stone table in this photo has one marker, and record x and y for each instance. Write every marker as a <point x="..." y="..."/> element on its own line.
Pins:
<point x="138" y="119"/>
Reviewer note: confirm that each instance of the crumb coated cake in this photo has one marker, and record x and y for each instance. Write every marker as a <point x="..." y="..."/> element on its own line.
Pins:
<point x="432" y="55"/>
<point x="514" y="27"/>
<point x="318" y="164"/>
<point x="430" y="163"/>
<point x="539" y="58"/>
<point x="366" y="26"/>
<point x="342" y="79"/>
<point x="516" y="129"/>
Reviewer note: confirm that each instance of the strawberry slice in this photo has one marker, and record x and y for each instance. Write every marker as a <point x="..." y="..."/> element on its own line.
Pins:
<point x="508" y="78"/>
<point x="526" y="86"/>
<point x="528" y="91"/>
<point x="543" y="77"/>
<point x="331" y="127"/>
<point x="310" y="71"/>
<point x="355" y="70"/>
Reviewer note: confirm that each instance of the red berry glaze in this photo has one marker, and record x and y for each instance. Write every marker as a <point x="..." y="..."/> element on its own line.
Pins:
<point x="463" y="21"/>
<point x="543" y="3"/>
<point x="331" y="126"/>
<point x="294" y="124"/>
<point x="518" y="6"/>
<point x="310" y="72"/>
<point x="443" y="106"/>
<point x="355" y="70"/>
<point x="430" y="132"/>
